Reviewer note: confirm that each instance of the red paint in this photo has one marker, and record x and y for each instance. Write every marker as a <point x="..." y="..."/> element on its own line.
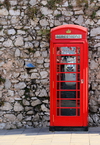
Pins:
<point x="66" y="73"/>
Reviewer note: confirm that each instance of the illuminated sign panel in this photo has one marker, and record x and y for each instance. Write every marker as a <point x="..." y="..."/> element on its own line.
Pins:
<point x="77" y="36"/>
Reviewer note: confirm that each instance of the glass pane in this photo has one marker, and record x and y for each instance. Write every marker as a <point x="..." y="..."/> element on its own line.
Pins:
<point x="66" y="103"/>
<point x="66" y="50"/>
<point x="66" y="94"/>
<point x="66" y="85"/>
<point x="66" y="112"/>
<point x="68" y="77"/>
<point x="66" y="59"/>
<point x="68" y="68"/>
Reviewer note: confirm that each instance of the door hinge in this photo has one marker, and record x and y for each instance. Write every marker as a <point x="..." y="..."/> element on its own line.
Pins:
<point x="53" y="84"/>
<point x="82" y="81"/>
<point x="53" y="118"/>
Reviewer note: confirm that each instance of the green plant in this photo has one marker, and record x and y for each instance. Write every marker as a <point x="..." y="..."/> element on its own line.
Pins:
<point x="7" y="4"/>
<point x="58" y="15"/>
<point x="1" y="4"/>
<point x="15" y="8"/>
<point x="70" y="6"/>
<point x="31" y="50"/>
<point x="2" y="80"/>
<point x="44" y="32"/>
<point x="1" y="28"/>
<point x="81" y="2"/>
<point x="27" y="92"/>
<point x="2" y="100"/>
<point x="51" y="4"/>
<point x="32" y="12"/>
<point x="93" y="15"/>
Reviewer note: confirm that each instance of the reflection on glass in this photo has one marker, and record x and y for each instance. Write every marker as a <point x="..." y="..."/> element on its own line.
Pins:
<point x="66" y="85"/>
<point x="66" y="94"/>
<point x="66" y="112"/>
<point x="66" y="103"/>
<point x="68" y="50"/>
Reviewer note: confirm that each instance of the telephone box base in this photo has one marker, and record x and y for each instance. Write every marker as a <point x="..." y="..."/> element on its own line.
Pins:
<point x="65" y="128"/>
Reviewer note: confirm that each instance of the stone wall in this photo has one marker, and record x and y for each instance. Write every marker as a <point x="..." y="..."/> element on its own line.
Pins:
<point x="24" y="39"/>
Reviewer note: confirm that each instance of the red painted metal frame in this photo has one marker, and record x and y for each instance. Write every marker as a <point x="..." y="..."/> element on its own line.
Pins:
<point x="81" y="120"/>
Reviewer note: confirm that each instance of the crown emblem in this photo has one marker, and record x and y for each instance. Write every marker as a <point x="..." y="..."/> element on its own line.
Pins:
<point x="68" y="31"/>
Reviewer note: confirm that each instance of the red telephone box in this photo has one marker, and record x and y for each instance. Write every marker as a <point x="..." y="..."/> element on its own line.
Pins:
<point x="68" y="78"/>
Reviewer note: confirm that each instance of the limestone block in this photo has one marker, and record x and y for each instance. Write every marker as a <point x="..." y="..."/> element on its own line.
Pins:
<point x="14" y="12"/>
<point x="44" y="22"/>
<point x="20" y="32"/>
<point x="8" y="43"/>
<point x="44" y="74"/>
<point x="10" y="117"/>
<point x="79" y="20"/>
<point x="93" y="109"/>
<point x="18" y="107"/>
<point x="65" y="4"/>
<point x="2" y="33"/>
<point x="33" y="2"/>
<point x="19" y="117"/>
<point x="44" y="2"/>
<point x="45" y="11"/>
<point x="6" y="106"/>
<point x="1" y="63"/>
<point x="40" y="60"/>
<point x="17" y="53"/>
<point x="2" y="125"/>
<point x="67" y="13"/>
<point x="98" y="13"/>
<point x="34" y="76"/>
<point x="30" y="112"/>
<point x="10" y="93"/>
<point x="95" y="31"/>
<point x="16" y="74"/>
<point x="3" y="12"/>
<point x="98" y="75"/>
<point x="20" y="85"/>
<point x="36" y="117"/>
<point x="43" y="93"/>
<point x="37" y="54"/>
<point x="36" y="102"/>
<point x="11" y="31"/>
<point x="44" y="108"/>
<point x="79" y="12"/>
<point x="93" y="65"/>
<point x="0" y="94"/>
<point x="19" y="41"/>
<point x="95" y="118"/>
<point x="26" y="103"/>
<point x="3" y="21"/>
<point x="14" y="19"/>
<point x="7" y="84"/>
<point x="44" y="44"/>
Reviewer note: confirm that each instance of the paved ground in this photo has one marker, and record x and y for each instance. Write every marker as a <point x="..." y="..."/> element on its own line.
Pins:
<point x="44" y="137"/>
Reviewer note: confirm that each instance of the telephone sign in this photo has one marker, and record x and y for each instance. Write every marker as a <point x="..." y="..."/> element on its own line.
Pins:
<point x="68" y="78"/>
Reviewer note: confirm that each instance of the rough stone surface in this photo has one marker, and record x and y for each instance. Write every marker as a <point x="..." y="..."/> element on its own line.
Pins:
<point x="6" y="106"/>
<point x="36" y="102"/>
<point x="10" y="117"/>
<point x="20" y="85"/>
<point x="24" y="39"/>
<point x="7" y="84"/>
<point x="19" y="41"/>
<point x="18" y="107"/>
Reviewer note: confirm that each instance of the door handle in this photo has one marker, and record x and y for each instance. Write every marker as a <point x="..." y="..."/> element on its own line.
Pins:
<point x="82" y="81"/>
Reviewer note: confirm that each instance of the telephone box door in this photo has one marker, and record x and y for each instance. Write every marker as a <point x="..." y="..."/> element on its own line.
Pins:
<point x="68" y="101"/>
